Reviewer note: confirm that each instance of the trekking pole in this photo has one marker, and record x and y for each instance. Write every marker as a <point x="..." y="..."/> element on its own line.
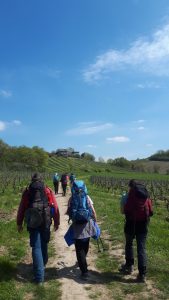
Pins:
<point x="102" y="243"/>
<point x="98" y="245"/>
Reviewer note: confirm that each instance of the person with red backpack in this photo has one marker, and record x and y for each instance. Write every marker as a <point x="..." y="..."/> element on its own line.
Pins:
<point x="138" y="210"/>
<point x="64" y="181"/>
<point x="37" y="208"/>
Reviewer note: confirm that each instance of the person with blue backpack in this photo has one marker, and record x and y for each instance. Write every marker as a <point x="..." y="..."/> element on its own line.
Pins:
<point x="72" y="178"/>
<point x="56" y="180"/>
<point x="82" y="214"/>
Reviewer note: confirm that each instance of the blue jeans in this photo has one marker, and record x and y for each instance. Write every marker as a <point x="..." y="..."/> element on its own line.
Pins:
<point x="39" y="239"/>
<point x="141" y="251"/>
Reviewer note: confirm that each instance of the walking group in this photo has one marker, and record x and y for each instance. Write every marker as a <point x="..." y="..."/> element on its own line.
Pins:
<point x="38" y="208"/>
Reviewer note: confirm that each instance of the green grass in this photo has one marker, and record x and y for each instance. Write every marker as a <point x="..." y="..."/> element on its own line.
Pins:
<point x="112" y="222"/>
<point x="13" y="249"/>
<point x="14" y="246"/>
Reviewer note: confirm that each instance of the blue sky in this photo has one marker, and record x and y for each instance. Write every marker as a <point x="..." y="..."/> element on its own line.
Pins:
<point x="87" y="74"/>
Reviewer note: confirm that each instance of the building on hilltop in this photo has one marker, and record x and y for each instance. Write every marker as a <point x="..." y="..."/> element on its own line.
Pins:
<point x="69" y="152"/>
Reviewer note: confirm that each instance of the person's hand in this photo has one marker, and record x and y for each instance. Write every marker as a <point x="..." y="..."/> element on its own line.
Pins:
<point x="56" y="227"/>
<point x="20" y="228"/>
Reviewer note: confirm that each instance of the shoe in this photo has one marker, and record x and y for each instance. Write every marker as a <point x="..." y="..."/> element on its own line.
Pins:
<point x="126" y="269"/>
<point x="84" y="276"/>
<point x="141" y="278"/>
<point x="39" y="283"/>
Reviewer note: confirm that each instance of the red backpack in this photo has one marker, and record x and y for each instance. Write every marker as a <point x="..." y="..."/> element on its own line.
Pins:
<point x="138" y="206"/>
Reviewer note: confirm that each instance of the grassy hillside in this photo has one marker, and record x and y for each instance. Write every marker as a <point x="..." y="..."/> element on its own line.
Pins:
<point x="14" y="248"/>
<point x="161" y="167"/>
<point x="80" y="166"/>
<point x="76" y="165"/>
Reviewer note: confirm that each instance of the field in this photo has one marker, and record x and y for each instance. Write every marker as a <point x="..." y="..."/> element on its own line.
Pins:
<point x="13" y="247"/>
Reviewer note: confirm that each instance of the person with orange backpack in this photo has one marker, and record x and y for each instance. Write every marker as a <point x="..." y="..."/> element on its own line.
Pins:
<point x="37" y="208"/>
<point x="138" y="210"/>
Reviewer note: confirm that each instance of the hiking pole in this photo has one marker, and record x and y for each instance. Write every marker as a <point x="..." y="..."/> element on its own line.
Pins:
<point x="98" y="245"/>
<point x="102" y="243"/>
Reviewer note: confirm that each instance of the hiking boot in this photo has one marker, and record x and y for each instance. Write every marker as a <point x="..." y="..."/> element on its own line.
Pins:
<point x="141" y="278"/>
<point x="84" y="276"/>
<point x="39" y="283"/>
<point x="126" y="269"/>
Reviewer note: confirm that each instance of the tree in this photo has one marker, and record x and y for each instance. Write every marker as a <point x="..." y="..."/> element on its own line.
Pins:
<point x="121" y="162"/>
<point x="19" y="158"/>
<point x="101" y="159"/>
<point x="88" y="156"/>
<point x="110" y="161"/>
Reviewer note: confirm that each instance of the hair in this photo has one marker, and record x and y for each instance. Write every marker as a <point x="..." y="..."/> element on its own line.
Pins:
<point x="132" y="183"/>
<point x="36" y="177"/>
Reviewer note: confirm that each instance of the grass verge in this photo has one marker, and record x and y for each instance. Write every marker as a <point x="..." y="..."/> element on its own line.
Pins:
<point x="112" y="223"/>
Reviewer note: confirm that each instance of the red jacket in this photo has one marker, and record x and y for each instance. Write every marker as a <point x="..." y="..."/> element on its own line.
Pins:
<point x="24" y="204"/>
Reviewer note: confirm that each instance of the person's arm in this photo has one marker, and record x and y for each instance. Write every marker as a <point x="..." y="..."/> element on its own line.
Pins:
<point x="21" y="210"/>
<point x="123" y="202"/>
<point x="53" y="203"/>
<point x="92" y="207"/>
<point x="56" y="216"/>
<point x="68" y="206"/>
<point x="150" y="207"/>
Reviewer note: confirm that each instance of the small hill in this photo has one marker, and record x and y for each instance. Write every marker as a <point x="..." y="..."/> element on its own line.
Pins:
<point x="150" y="166"/>
<point x="78" y="166"/>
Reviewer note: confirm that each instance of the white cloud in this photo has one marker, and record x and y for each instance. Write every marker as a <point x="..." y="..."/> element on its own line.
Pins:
<point x="91" y="146"/>
<point x="140" y="121"/>
<point x="141" y="128"/>
<point x="118" y="139"/>
<point x="5" y="94"/>
<point x="149" y="145"/>
<point x="17" y="122"/>
<point x="2" y="126"/>
<point x="148" y="85"/>
<point x="52" y="73"/>
<point x="6" y="124"/>
<point x="87" y="128"/>
<point x="149" y="55"/>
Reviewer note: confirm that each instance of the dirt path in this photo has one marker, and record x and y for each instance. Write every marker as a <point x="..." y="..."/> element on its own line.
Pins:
<point x="67" y="269"/>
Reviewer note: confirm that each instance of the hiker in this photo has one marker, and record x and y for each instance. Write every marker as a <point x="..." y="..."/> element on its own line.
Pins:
<point x="64" y="181"/>
<point x="82" y="213"/>
<point x="38" y="207"/>
<point x="72" y="178"/>
<point x="137" y="207"/>
<point x="56" y="179"/>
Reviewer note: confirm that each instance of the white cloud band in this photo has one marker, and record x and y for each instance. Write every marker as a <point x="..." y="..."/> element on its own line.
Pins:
<point x="150" y="56"/>
<point x="88" y="128"/>
<point x="118" y="139"/>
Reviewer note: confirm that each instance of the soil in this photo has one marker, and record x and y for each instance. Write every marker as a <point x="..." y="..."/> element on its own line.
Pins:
<point x="64" y="268"/>
<point x="68" y="272"/>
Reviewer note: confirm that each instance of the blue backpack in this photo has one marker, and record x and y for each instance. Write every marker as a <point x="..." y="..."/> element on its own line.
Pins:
<point x="79" y="210"/>
<point x="72" y="178"/>
<point x="56" y="178"/>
